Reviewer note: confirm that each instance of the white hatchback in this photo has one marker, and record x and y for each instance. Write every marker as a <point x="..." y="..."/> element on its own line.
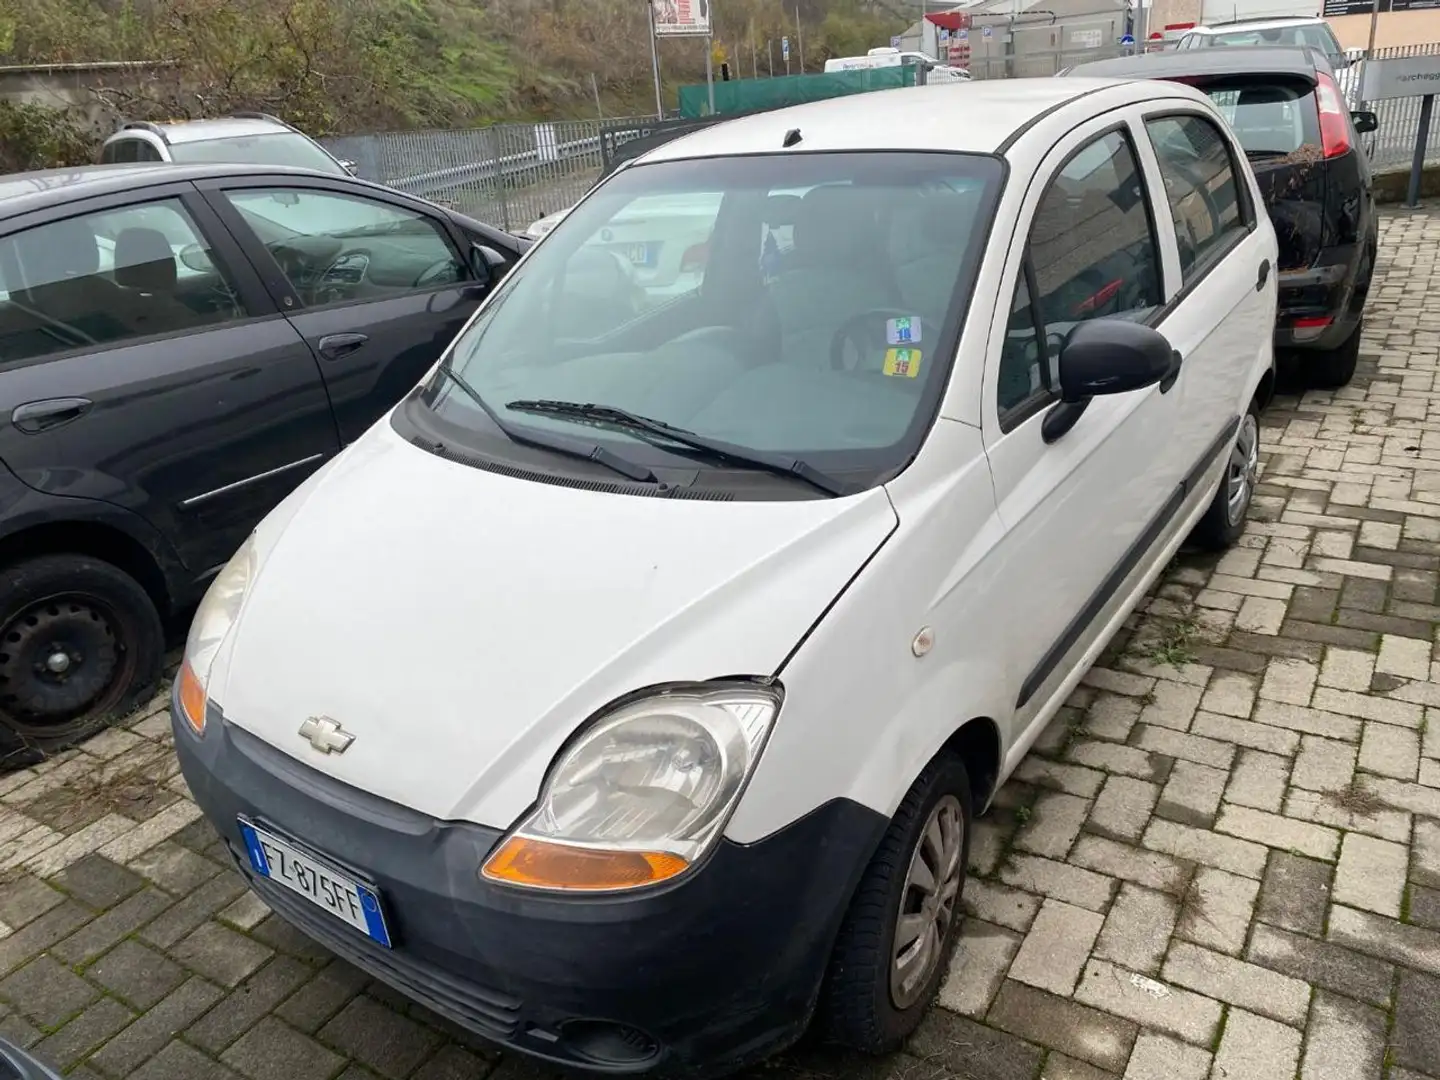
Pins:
<point x="627" y="694"/>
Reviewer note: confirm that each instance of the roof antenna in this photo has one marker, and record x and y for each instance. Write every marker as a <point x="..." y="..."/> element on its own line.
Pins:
<point x="792" y="138"/>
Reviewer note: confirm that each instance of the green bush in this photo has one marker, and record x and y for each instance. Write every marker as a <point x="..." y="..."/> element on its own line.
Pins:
<point x="37" y="137"/>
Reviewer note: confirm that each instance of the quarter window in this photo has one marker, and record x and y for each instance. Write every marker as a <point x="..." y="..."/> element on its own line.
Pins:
<point x="1092" y="254"/>
<point x="1200" y="187"/>
<point x="103" y="279"/>
<point x="336" y="248"/>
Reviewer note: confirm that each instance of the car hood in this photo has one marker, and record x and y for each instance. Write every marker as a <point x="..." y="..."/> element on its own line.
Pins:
<point x="461" y="624"/>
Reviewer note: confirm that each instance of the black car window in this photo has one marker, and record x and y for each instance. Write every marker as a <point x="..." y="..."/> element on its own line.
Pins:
<point x="1270" y="120"/>
<point x="1093" y="254"/>
<point x="145" y="152"/>
<point x="1200" y="186"/>
<point x="106" y="278"/>
<point x="121" y="151"/>
<point x="337" y="248"/>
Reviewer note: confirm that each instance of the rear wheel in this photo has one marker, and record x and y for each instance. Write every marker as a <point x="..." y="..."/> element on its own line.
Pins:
<point x="900" y="930"/>
<point x="1224" y="521"/>
<point x="1331" y="369"/>
<point x="80" y="644"/>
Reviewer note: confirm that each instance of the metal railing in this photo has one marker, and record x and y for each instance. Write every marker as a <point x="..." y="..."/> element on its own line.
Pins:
<point x="1392" y="146"/>
<point x="508" y="175"/>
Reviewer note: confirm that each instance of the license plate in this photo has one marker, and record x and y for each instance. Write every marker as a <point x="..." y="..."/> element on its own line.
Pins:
<point x="340" y="895"/>
<point x="642" y="254"/>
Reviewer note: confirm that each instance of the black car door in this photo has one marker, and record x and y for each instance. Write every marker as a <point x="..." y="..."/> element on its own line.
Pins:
<point x="378" y="284"/>
<point x="143" y="363"/>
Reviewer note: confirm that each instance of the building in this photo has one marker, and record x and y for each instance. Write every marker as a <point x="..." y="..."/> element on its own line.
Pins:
<point x="1010" y="38"/>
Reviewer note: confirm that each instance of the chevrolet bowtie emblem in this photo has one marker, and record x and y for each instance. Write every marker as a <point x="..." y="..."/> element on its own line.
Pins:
<point x="326" y="735"/>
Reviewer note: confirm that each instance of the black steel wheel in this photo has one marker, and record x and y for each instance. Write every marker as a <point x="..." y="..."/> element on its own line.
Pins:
<point x="81" y="644"/>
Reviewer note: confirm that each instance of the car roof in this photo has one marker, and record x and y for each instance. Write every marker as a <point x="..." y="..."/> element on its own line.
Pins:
<point x="1296" y="61"/>
<point x="1278" y="22"/>
<point x="21" y="193"/>
<point x="974" y="117"/>
<point x="225" y="127"/>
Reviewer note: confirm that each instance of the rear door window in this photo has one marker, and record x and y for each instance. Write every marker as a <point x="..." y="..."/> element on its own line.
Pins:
<point x="1202" y="187"/>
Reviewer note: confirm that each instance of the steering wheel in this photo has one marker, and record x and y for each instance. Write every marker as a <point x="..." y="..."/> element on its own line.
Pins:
<point x="442" y="272"/>
<point x="866" y="332"/>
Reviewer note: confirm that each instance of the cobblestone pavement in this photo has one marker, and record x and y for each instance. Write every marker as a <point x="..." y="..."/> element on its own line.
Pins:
<point x="1222" y="860"/>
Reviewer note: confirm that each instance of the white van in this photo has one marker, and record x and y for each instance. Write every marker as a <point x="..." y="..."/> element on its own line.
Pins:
<point x="889" y="57"/>
<point x="627" y="695"/>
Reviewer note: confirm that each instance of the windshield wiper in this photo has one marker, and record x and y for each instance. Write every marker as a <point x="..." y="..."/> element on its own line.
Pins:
<point x="588" y="451"/>
<point x="779" y="464"/>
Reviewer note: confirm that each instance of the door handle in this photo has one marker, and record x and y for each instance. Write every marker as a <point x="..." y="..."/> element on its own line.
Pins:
<point x="1264" y="275"/>
<point x="334" y="346"/>
<point x="36" y="416"/>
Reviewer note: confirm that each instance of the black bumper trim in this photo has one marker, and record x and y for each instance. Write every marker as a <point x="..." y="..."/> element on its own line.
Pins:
<point x="719" y="969"/>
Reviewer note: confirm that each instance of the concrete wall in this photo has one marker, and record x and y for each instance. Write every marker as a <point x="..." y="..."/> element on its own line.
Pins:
<point x="74" y="86"/>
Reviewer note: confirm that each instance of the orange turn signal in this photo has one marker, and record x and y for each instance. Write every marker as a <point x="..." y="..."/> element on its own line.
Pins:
<point x="544" y="865"/>
<point x="192" y="699"/>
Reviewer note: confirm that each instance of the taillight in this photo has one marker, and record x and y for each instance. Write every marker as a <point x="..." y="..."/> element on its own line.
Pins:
<point x="694" y="259"/>
<point x="1334" y="126"/>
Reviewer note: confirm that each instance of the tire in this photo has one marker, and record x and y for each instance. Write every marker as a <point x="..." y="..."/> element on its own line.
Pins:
<point x="1331" y="369"/>
<point x="1224" y="521"/>
<point x="81" y="644"/>
<point x="858" y="1007"/>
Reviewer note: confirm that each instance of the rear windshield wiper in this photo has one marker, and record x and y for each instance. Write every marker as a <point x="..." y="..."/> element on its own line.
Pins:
<point x="716" y="449"/>
<point x="588" y="451"/>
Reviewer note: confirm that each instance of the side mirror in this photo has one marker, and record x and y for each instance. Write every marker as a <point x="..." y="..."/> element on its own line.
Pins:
<point x="1112" y="356"/>
<point x="487" y="264"/>
<point x="351" y="167"/>
<point x="1365" y="122"/>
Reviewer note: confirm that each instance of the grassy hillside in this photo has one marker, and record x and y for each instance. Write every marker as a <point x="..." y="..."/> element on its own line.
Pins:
<point x="335" y="66"/>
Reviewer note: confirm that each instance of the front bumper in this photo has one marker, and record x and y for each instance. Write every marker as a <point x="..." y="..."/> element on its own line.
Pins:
<point x="707" y="975"/>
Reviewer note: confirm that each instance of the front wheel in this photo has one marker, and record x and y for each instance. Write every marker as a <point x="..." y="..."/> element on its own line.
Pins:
<point x="80" y="645"/>
<point x="1224" y="521"/>
<point x="904" y="919"/>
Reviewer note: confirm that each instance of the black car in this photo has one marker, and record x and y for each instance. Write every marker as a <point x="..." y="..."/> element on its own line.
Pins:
<point x="1288" y="113"/>
<point x="180" y="347"/>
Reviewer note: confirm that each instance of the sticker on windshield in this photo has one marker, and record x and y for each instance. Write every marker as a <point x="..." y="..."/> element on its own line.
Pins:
<point x="902" y="331"/>
<point x="902" y="362"/>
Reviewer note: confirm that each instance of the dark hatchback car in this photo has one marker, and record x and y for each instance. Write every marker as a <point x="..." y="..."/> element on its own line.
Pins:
<point x="180" y="347"/>
<point x="1287" y="111"/>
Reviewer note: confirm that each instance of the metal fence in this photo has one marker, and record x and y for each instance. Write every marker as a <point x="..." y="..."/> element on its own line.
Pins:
<point x="513" y="174"/>
<point x="508" y="175"/>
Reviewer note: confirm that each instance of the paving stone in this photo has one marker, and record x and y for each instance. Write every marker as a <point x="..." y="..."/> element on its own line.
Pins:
<point x="46" y="992"/>
<point x="254" y="998"/>
<point x="193" y="910"/>
<point x="1254" y="1048"/>
<point x="1230" y="694"/>
<point x="1246" y="733"/>
<point x="990" y="901"/>
<point x="1289" y="680"/>
<point x="1055" y="822"/>
<point x="1426" y="861"/>
<point x="220" y="954"/>
<point x="1311" y="721"/>
<point x="1390" y="751"/>
<point x="1237" y="982"/>
<point x="1192" y="794"/>
<point x="1148" y="868"/>
<point x="1371" y="874"/>
<point x="1172" y="705"/>
<point x="98" y="882"/>
<point x="180" y="1062"/>
<point x="1185" y="747"/>
<point x="322" y="997"/>
<point x="1260" y="615"/>
<point x="19" y="1031"/>
<point x="64" y="1049"/>
<point x="1123" y="808"/>
<point x="1137" y="929"/>
<point x="1347" y="669"/>
<point x="1277" y="831"/>
<point x="1056" y="948"/>
<point x="1323" y="764"/>
<point x="273" y="1051"/>
<point x="1058" y="776"/>
<point x="175" y="869"/>
<point x="381" y="1038"/>
<point x="1151" y="1004"/>
<point x="1322" y="964"/>
<point x="1060" y="1067"/>
<point x="1205" y="847"/>
<point x="1369" y="707"/>
<point x="978" y="967"/>
<point x="453" y="1062"/>
<point x="1425" y="907"/>
<point x="1410" y="946"/>
<point x="1406" y="657"/>
<point x="137" y="974"/>
<point x="1218" y="910"/>
<point x="26" y="899"/>
<point x="1114" y="758"/>
<point x="1258" y="780"/>
<point x="1346" y="1040"/>
<point x="1415" y="1040"/>
<point x="1158" y="1057"/>
<point x="1063" y="1025"/>
<point x="963" y="1047"/>
<point x="124" y="1053"/>
<point x="1049" y="878"/>
<point x="111" y="926"/>
<point x="1111" y="716"/>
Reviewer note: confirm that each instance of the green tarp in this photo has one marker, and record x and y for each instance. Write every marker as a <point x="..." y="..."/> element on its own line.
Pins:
<point x="757" y="95"/>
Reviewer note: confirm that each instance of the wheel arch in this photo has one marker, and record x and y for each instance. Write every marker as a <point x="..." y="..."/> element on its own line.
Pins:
<point x="97" y="540"/>
<point x="977" y="744"/>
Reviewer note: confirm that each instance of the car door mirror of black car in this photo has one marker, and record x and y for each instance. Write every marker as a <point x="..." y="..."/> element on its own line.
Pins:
<point x="1108" y="356"/>
<point x="487" y="264"/>
<point x="1365" y="122"/>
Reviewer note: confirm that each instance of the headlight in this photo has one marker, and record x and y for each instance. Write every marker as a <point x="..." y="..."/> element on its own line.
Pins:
<point x="212" y="623"/>
<point x="643" y="793"/>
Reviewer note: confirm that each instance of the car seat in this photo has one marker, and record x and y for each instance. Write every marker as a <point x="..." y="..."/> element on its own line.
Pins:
<point x="145" y="268"/>
<point x="60" y="264"/>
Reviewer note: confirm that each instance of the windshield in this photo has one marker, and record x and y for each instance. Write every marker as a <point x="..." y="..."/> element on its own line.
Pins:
<point x="279" y="148"/>
<point x="1269" y="120"/>
<point x="798" y="304"/>
<point x="1316" y="35"/>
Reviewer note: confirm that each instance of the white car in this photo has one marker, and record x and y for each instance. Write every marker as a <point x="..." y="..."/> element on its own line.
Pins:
<point x="628" y="698"/>
<point x="1303" y="30"/>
